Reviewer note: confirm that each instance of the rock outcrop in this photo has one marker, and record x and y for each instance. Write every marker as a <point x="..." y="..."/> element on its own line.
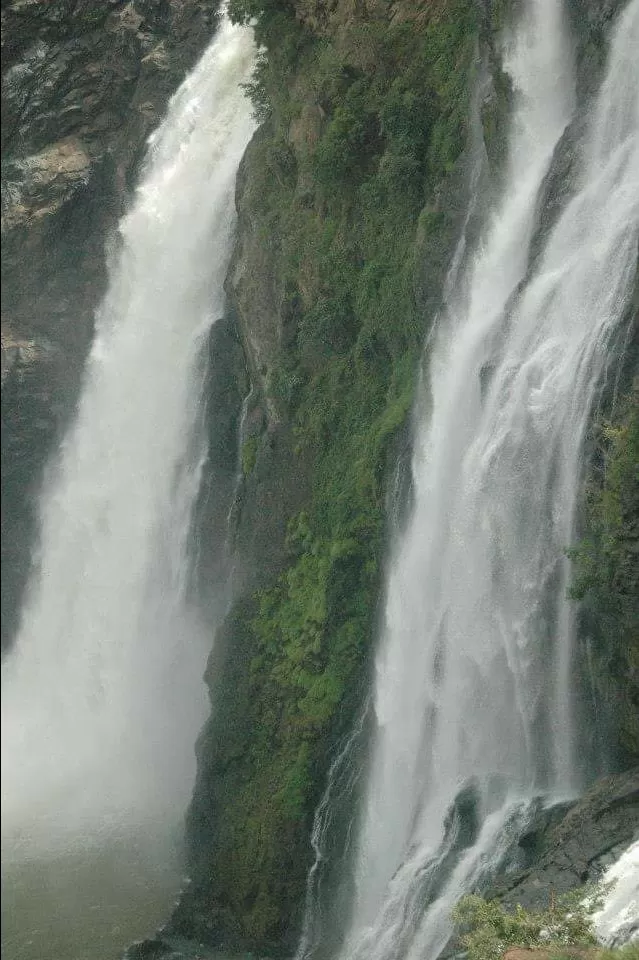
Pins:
<point x="577" y="850"/>
<point x="565" y="847"/>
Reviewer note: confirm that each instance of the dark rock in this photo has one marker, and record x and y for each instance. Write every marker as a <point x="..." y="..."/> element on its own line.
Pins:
<point x="150" y="950"/>
<point x="32" y="383"/>
<point x="565" y="846"/>
<point x="531" y="842"/>
<point x="225" y="388"/>
<point x="253" y="283"/>
<point x="579" y="848"/>
<point x="590" y="21"/>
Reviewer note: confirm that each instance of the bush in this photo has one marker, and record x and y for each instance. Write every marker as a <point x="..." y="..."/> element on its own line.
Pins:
<point x="606" y="566"/>
<point x="488" y="929"/>
<point x="249" y="454"/>
<point x="336" y="181"/>
<point x="342" y="152"/>
<point x="629" y="952"/>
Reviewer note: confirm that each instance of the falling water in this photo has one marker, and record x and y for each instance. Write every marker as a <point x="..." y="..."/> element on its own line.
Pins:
<point x="102" y="699"/>
<point x="342" y="778"/>
<point x="617" y="922"/>
<point x="473" y="693"/>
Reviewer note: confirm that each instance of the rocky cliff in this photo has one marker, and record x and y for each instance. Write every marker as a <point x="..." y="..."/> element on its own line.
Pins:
<point x="349" y="200"/>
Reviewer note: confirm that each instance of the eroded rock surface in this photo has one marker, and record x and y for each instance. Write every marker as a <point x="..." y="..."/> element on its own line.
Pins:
<point x="580" y="847"/>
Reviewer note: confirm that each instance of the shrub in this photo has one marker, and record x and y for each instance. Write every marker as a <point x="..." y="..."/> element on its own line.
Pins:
<point x="249" y="454"/>
<point x="488" y="929"/>
<point x="606" y="566"/>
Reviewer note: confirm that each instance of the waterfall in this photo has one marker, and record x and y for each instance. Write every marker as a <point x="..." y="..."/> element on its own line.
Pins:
<point x="102" y="698"/>
<point x="473" y="698"/>
<point x="342" y="778"/>
<point x="617" y="921"/>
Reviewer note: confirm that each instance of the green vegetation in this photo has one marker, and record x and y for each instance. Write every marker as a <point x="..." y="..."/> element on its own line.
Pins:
<point x="629" y="952"/>
<point x="564" y="931"/>
<point x="394" y="106"/>
<point x="347" y="187"/>
<point x="345" y="211"/>
<point x="344" y="184"/>
<point x="606" y="565"/>
<point x="249" y="454"/>
<point x="487" y="929"/>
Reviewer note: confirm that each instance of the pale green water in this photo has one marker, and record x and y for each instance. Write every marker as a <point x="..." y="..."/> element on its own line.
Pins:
<point x="86" y="905"/>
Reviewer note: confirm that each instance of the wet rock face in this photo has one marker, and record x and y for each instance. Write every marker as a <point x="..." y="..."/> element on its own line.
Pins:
<point x="565" y="848"/>
<point x="30" y="370"/>
<point x="590" y="21"/>
<point x="83" y="86"/>
<point x="577" y="847"/>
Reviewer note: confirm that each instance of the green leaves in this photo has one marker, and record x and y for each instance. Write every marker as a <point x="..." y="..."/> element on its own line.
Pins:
<point x="488" y="929"/>
<point x="249" y="454"/>
<point x="606" y="566"/>
<point x="335" y="183"/>
<point x="346" y="144"/>
<point x="366" y="157"/>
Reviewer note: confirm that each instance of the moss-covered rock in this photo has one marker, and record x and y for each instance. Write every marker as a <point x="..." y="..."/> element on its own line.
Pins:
<point x="590" y="21"/>
<point x="606" y="571"/>
<point x="349" y="197"/>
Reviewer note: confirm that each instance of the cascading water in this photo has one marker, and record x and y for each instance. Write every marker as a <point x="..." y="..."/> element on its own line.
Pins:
<point x="102" y="698"/>
<point x="473" y="698"/>
<point x="342" y="777"/>
<point x="410" y="666"/>
<point x="617" y="922"/>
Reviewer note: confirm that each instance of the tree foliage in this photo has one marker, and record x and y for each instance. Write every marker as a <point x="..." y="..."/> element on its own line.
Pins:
<point x="337" y="181"/>
<point x="606" y="564"/>
<point x="488" y="929"/>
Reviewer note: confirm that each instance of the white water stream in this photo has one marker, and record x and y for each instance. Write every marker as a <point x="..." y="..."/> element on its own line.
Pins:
<point x="102" y="698"/>
<point x="617" y="922"/>
<point x="473" y="675"/>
